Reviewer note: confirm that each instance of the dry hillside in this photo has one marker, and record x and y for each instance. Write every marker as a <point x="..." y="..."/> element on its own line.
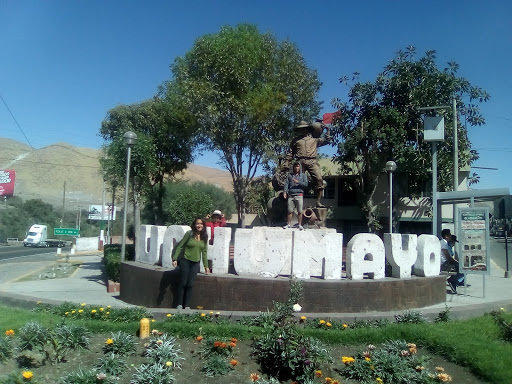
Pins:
<point x="41" y="173"/>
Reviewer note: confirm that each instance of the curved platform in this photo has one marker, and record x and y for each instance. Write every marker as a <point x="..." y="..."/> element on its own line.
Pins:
<point x="153" y="287"/>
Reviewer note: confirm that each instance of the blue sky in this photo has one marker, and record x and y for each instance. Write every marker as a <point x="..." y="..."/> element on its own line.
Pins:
<point x="65" y="63"/>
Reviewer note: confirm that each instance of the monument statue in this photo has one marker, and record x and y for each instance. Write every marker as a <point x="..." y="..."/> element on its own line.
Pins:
<point x="303" y="148"/>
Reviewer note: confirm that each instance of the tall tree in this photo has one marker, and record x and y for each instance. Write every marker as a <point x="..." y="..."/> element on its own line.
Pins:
<point x="381" y="122"/>
<point x="246" y="90"/>
<point x="165" y="144"/>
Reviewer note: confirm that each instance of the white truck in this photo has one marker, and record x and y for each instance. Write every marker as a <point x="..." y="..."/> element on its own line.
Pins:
<point x="37" y="236"/>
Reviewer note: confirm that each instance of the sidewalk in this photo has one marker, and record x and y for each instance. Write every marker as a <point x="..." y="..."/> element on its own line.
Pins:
<point x="88" y="285"/>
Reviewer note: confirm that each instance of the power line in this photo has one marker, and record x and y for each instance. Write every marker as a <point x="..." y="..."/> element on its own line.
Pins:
<point x="55" y="164"/>
<point x="19" y="127"/>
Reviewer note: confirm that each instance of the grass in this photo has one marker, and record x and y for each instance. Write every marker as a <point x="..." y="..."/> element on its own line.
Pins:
<point x="474" y="343"/>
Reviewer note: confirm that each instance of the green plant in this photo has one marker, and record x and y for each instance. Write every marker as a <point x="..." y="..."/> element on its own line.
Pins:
<point x="54" y="343"/>
<point x="394" y="362"/>
<point x="504" y="326"/>
<point x="410" y="316"/>
<point x="87" y="376"/>
<point x="83" y="311"/>
<point x="162" y="349"/>
<point x="216" y="365"/>
<point x="111" y="364"/>
<point x="6" y="347"/>
<point x="282" y="352"/>
<point x="152" y="374"/>
<point x="443" y="316"/>
<point x="19" y="377"/>
<point x="121" y="343"/>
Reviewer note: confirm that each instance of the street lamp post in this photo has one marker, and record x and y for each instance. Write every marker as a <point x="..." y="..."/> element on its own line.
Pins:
<point x="390" y="167"/>
<point x="129" y="139"/>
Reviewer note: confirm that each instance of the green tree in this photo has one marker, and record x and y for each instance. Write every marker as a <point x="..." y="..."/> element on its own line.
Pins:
<point x="381" y="122"/>
<point x="165" y="143"/>
<point x="188" y="205"/>
<point x="246" y="90"/>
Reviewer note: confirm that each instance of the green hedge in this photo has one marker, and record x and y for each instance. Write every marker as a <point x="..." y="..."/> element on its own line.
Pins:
<point x="112" y="259"/>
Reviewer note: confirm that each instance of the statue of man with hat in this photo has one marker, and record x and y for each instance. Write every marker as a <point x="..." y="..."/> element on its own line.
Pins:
<point x="304" y="149"/>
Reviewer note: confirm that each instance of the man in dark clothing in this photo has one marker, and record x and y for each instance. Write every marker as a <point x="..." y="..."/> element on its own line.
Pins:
<point x="294" y="192"/>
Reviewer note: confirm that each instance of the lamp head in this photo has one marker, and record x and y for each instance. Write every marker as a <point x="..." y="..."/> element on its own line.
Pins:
<point x="129" y="138"/>
<point x="390" y="166"/>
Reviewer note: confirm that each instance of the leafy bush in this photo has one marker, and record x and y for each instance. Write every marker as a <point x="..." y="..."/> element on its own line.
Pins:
<point x="6" y="346"/>
<point x="52" y="343"/>
<point x="121" y="344"/>
<point x="152" y="374"/>
<point x="504" y="326"/>
<point x="410" y="316"/>
<point x="111" y="364"/>
<point x="88" y="376"/>
<point x="395" y="362"/>
<point x="163" y="349"/>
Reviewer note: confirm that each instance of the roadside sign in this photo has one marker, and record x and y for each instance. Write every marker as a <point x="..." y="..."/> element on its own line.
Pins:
<point x="66" y="231"/>
<point x="108" y="212"/>
<point x="474" y="240"/>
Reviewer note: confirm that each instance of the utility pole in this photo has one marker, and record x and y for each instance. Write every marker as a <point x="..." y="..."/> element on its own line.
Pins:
<point x="63" y="203"/>
<point x="455" y="160"/>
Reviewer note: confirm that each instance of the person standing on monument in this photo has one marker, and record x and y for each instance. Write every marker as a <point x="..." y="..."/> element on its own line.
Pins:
<point x="294" y="188"/>
<point x="304" y="149"/>
<point x="188" y="254"/>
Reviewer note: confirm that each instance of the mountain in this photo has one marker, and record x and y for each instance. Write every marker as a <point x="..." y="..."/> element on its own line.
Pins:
<point x="41" y="173"/>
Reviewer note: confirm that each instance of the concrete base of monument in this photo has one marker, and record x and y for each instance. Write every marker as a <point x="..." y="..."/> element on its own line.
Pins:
<point x="154" y="287"/>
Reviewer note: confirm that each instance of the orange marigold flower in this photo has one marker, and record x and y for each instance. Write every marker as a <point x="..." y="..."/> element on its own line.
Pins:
<point x="217" y="344"/>
<point x="335" y="382"/>
<point x="318" y="373"/>
<point x="233" y="362"/>
<point x="255" y="377"/>
<point x="199" y="338"/>
<point x="233" y="340"/>
<point x="232" y="345"/>
<point x="223" y="345"/>
<point x="9" y="332"/>
<point x="328" y="380"/>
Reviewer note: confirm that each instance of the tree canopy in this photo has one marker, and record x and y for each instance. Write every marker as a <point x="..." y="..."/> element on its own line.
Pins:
<point x="246" y="90"/>
<point x="381" y="121"/>
<point x="164" y="146"/>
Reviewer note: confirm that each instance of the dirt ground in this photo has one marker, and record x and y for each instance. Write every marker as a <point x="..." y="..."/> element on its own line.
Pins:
<point x="191" y="371"/>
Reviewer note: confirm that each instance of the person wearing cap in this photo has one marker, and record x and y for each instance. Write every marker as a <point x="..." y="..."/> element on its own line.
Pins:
<point x="304" y="148"/>
<point x="218" y="220"/>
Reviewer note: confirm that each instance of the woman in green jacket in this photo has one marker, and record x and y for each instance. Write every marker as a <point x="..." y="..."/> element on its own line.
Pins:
<point x="194" y="246"/>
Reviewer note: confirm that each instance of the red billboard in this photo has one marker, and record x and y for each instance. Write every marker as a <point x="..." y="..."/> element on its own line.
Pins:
<point x="7" y="183"/>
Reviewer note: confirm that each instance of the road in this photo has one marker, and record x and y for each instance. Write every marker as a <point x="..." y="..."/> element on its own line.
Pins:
<point x="10" y="254"/>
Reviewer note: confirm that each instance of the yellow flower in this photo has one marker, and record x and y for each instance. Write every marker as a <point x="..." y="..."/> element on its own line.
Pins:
<point x="328" y="380"/>
<point x="80" y="310"/>
<point x="303" y="318"/>
<point x="169" y="315"/>
<point x="367" y="358"/>
<point x="83" y="304"/>
<point x="93" y="311"/>
<point x="347" y="359"/>
<point x="9" y="332"/>
<point x="217" y="313"/>
<point x="345" y="326"/>
<point x="152" y="320"/>
<point x="211" y="313"/>
<point x="67" y="313"/>
<point x="73" y="311"/>
<point x="27" y="375"/>
<point x="318" y="373"/>
<point x="200" y="307"/>
<point x="321" y="322"/>
<point x="168" y="364"/>
<point x="109" y="341"/>
<point x="203" y="314"/>
<point x="108" y="313"/>
<point x="101" y="309"/>
<point x="379" y="380"/>
<point x="108" y="306"/>
<point x="502" y="309"/>
<point x="38" y="302"/>
<point x="329" y="324"/>
<point x="439" y="369"/>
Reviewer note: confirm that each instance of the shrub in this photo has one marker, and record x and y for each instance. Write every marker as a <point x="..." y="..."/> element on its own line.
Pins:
<point x="410" y="316"/>
<point x="152" y="374"/>
<point x="111" y="364"/>
<point x="163" y="349"/>
<point x="6" y="347"/>
<point x="121" y="343"/>
<point x="88" y="376"/>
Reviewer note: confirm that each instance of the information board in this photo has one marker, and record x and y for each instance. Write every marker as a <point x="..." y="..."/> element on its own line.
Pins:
<point x="473" y="236"/>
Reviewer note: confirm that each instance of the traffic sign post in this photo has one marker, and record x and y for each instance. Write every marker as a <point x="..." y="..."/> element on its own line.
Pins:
<point x="66" y="231"/>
